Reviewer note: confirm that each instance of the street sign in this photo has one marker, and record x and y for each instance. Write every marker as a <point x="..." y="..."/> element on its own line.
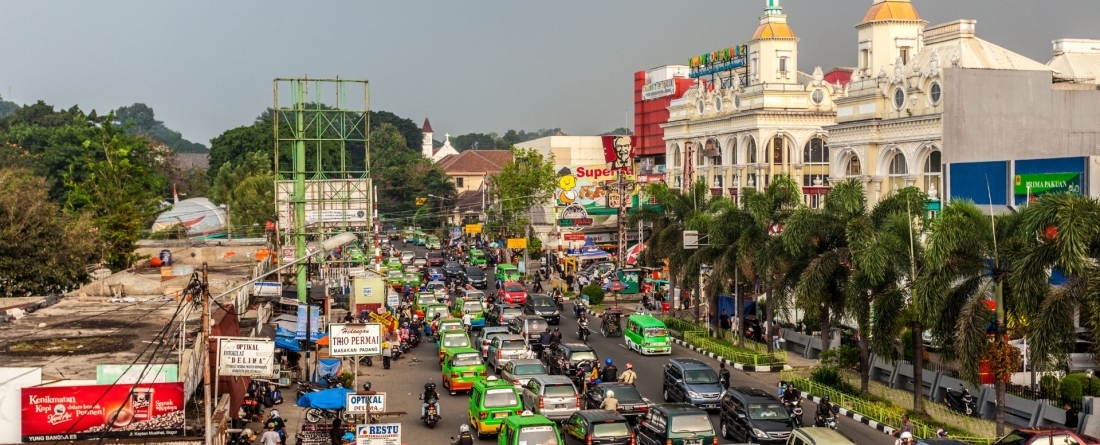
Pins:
<point x="574" y="236"/>
<point x="473" y="229"/>
<point x="357" y="403"/>
<point x="246" y="357"/>
<point x="378" y="434"/>
<point x="517" y="243"/>
<point x="691" y="239"/>
<point x="421" y="201"/>
<point x="350" y="340"/>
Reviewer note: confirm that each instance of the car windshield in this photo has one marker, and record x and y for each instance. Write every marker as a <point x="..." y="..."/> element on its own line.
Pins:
<point x="1015" y="438"/>
<point x="581" y="355"/>
<point x="472" y="306"/>
<point x="407" y="254"/>
<point x="700" y="376"/>
<point x="474" y="273"/>
<point x="500" y="398"/>
<point x="410" y="277"/>
<point x="421" y="299"/>
<point x="452" y="325"/>
<point x="560" y="391"/>
<point x="656" y="332"/>
<point x="466" y="360"/>
<point x="694" y="423"/>
<point x="538" y="435"/>
<point x="456" y="341"/>
<point x="435" y="255"/>
<point x="616" y="429"/>
<point x="472" y="295"/>
<point x="510" y="344"/>
<point x="510" y="288"/>
<point x="626" y="393"/>
<point x="540" y="302"/>
<point x="532" y="369"/>
<point x="441" y="310"/>
<point x="767" y="411"/>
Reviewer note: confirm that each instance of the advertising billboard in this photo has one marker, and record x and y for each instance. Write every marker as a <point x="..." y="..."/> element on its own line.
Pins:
<point x="53" y="413"/>
<point x="360" y="403"/>
<point x="584" y="185"/>
<point x="378" y="434"/>
<point x="314" y="319"/>
<point x="369" y="290"/>
<point x="351" y="340"/>
<point x="246" y="357"/>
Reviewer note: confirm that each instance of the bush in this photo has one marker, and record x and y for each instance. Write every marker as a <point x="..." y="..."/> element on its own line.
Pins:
<point x="1071" y="388"/>
<point x="594" y="293"/>
<point x="347" y="379"/>
<point x="832" y="378"/>
<point x="842" y="357"/>
<point x="1050" y="384"/>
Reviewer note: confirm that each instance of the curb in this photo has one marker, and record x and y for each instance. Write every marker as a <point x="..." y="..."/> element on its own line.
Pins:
<point x="883" y="428"/>
<point x="737" y="366"/>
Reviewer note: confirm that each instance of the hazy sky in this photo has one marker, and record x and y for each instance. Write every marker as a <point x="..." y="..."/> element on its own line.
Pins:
<point x="473" y="66"/>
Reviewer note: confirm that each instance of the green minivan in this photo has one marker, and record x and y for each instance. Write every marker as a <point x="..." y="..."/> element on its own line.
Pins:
<point x="527" y="429"/>
<point x="647" y="335"/>
<point x="508" y="272"/>
<point x="491" y="401"/>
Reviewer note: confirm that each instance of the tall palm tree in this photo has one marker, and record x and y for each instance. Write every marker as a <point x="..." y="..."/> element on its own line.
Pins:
<point x="721" y="252"/>
<point x="885" y="258"/>
<point x="967" y="263"/>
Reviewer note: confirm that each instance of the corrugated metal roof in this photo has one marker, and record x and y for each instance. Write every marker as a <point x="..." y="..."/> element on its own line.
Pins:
<point x="1083" y="68"/>
<point x="975" y="53"/>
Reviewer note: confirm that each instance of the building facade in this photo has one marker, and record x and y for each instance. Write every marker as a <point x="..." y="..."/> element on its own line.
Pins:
<point x="654" y="91"/>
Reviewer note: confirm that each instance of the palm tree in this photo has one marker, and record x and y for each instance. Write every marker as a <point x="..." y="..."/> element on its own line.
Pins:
<point x="966" y="265"/>
<point x="722" y="253"/>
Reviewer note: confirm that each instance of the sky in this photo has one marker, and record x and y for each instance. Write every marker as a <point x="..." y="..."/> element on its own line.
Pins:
<point x="473" y="66"/>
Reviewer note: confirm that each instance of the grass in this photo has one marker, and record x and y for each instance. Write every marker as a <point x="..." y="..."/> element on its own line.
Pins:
<point x="699" y="336"/>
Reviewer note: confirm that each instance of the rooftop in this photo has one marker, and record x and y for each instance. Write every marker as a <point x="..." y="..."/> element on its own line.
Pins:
<point x="476" y="161"/>
<point x="883" y="10"/>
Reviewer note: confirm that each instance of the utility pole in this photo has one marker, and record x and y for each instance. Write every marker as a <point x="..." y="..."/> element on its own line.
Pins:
<point x="207" y="405"/>
<point x="299" y="198"/>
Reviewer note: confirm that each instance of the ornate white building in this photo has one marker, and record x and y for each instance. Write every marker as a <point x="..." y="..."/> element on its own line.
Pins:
<point x="742" y="137"/>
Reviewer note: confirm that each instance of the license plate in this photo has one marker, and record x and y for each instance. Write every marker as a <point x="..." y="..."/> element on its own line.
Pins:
<point x="693" y="441"/>
<point x="500" y="415"/>
<point x="710" y="406"/>
<point x="467" y="374"/>
<point x="561" y="406"/>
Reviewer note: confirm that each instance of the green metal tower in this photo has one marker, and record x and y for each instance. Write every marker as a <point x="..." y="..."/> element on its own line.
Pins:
<point x="322" y="166"/>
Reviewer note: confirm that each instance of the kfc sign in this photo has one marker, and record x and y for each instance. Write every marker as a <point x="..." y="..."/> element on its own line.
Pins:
<point x="618" y="151"/>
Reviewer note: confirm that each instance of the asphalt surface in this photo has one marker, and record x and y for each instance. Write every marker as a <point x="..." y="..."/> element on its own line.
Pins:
<point x="405" y="380"/>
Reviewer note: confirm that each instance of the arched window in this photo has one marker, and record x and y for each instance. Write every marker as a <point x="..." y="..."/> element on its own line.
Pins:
<point x="751" y="151"/>
<point x="700" y="156"/>
<point x="777" y="150"/>
<point x="713" y="150"/>
<point x="898" y="171"/>
<point x="734" y="157"/>
<point x="815" y="152"/>
<point x="933" y="172"/>
<point x="852" y="169"/>
<point x="676" y="160"/>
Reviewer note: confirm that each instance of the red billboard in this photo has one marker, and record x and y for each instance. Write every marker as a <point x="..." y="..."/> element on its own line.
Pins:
<point x="52" y="413"/>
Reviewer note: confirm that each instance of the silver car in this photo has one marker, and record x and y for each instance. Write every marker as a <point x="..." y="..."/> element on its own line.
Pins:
<point x="486" y="336"/>
<point x="519" y="372"/>
<point x="504" y="349"/>
<point x="553" y="396"/>
<point x="406" y="258"/>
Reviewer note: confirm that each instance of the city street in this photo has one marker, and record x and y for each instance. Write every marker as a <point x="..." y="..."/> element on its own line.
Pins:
<point x="407" y="376"/>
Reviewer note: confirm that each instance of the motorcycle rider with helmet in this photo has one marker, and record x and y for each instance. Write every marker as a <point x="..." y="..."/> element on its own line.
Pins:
<point x="609" y="373"/>
<point x="824" y="410"/>
<point x="464" y="436"/>
<point x="429" y="395"/>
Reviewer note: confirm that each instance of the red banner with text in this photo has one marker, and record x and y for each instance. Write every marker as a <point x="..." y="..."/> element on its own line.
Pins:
<point x="52" y="413"/>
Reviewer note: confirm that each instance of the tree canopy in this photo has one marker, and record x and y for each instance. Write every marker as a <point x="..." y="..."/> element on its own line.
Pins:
<point x="139" y="119"/>
<point x="525" y="182"/>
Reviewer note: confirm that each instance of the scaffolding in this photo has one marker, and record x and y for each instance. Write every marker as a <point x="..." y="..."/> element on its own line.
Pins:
<point x="322" y="168"/>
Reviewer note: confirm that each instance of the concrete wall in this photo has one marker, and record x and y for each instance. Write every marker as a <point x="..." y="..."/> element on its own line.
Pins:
<point x="1001" y="114"/>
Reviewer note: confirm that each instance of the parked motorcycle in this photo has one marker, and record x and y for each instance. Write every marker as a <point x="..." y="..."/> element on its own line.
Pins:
<point x="960" y="400"/>
<point x="314" y="415"/>
<point x="794" y="410"/>
<point x="582" y="331"/>
<point x="243" y="437"/>
<point x="432" y="414"/>
<point x="366" y="360"/>
<point x="332" y="381"/>
<point x="305" y="387"/>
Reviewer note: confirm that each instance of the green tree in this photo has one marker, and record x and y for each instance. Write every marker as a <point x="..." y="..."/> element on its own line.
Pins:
<point x="139" y="119"/>
<point x="527" y="181"/>
<point x="401" y="175"/>
<point x="233" y="145"/>
<point x="7" y="107"/>
<point x="966" y="264"/>
<point x="248" y="191"/>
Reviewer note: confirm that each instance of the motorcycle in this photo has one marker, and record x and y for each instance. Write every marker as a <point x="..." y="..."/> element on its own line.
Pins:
<point x="366" y="360"/>
<point x="960" y="400"/>
<point x="432" y="414"/>
<point x="826" y="421"/>
<point x="794" y="410"/>
<point x="559" y="302"/>
<point x="306" y="388"/>
<point x="243" y="437"/>
<point x="314" y="415"/>
<point x="332" y="381"/>
<point x="396" y="349"/>
<point x="582" y="331"/>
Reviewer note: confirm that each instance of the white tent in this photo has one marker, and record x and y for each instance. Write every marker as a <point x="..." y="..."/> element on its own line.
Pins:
<point x="199" y="215"/>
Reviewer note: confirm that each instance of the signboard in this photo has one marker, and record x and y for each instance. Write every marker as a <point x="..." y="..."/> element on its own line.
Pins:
<point x="473" y="229"/>
<point x="517" y="243"/>
<point x="108" y="374"/>
<point x="384" y="318"/>
<point x="314" y="321"/>
<point x="378" y="434"/>
<point x="618" y="151"/>
<point x="289" y="254"/>
<point x="584" y="185"/>
<point x="313" y="216"/>
<point x="351" y="340"/>
<point x="369" y="289"/>
<point x="574" y="236"/>
<point x="54" y="413"/>
<point x="267" y="288"/>
<point x="725" y="59"/>
<point x="659" y="89"/>
<point x="247" y="357"/>
<point x="574" y="217"/>
<point x="421" y="201"/>
<point x="1041" y="183"/>
<point x="393" y="300"/>
<point x="357" y="403"/>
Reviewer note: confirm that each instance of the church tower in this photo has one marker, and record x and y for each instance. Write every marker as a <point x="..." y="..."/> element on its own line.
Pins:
<point x="426" y="148"/>
<point x="891" y="31"/>
<point x="773" y="50"/>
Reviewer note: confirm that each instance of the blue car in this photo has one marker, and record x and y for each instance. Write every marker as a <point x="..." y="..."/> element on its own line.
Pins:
<point x="436" y="274"/>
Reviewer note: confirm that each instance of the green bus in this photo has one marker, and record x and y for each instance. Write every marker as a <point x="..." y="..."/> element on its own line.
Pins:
<point x="647" y="335"/>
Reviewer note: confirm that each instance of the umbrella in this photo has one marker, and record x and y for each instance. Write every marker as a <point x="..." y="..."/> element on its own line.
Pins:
<point x="335" y="398"/>
<point x="493" y="245"/>
<point x="633" y="252"/>
<point x="614" y="286"/>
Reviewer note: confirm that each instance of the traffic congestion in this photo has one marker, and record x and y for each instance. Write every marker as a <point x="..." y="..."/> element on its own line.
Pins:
<point x="499" y="361"/>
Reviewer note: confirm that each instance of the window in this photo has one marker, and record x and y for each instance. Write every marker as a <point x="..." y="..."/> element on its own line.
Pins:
<point x="676" y="156"/>
<point x="898" y="171"/>
<point x="865" y="59"/>
<point x="737" y="101"/>
<point x="717" y="108"/>
<point x="782" y="65"/>
<point x="777" y="150"/>
<point x="899" y="98"/>
<point x="817" y="96"/>
<point x="713" y="150"/>
<point x="702" y="109"/>
<point x="933" y="171"/>
<point x="458" y="183"/>
<point x="903" y="52"/>
<point x="852" y="169"/>
<point x="935" y="92"/>
<point x="815" y="152"/>
<point x="751" y="150"/>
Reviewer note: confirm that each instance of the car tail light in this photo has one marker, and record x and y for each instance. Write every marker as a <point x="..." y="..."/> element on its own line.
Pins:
<point x="519" y="412"/>
<point x="578" y="401"/>
<point x="541" y="402"/>
<point x="483" y="415"/>
<point x="668" y="442"/>
<point x="515" y="381"/>
<point x="715" y="441"/>
<point x="632" y="440"/>
<point x="454" y="375"/>
<point x="641" y="408"/>
<point x="588" y="439"/>
<point x="499" y="355"/>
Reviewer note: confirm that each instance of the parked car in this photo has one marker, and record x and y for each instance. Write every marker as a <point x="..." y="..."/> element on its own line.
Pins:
<point x="520" y="371"/>
<point x="1078" y="360"/>
<point x="597" y="426"/>
<point x="543" y="306"/>
<point x="691" y="381"/>
<point x="563" y="359"/>
<point x="677" y="423"/>
<point x="504" y="349"/>
<point x="631" y="404"/>
<point x="553" y="396"/>
<point x="1045" y="435"/>
<point x="754" y="415"/>
<point x="502" y="314"/>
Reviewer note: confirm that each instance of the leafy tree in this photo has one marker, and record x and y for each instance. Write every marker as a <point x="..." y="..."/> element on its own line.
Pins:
<point x="7" y="107"/>
<point x="527" y="181"/>
<point x="42" y="249"/>
<point x="233" y="145"/>
<point x="401" y="175"/>
<point x="248" y="191"/>
<point x="139" y="119"/>
<point x="410" y="132"/>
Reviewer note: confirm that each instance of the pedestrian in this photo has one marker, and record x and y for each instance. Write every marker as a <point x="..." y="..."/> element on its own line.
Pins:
<point x="270" y="437"/>
<point x="777" y="337"/>
<point x="336" y="434"/>
<point x="386" y="354"/>
<point x="1071" y="417"/>
<point x="906" y="428"/>
<point x="724" y="322"/>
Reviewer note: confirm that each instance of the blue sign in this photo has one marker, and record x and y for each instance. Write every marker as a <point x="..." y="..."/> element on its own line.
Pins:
<point x="717" y="69"/>
<point x="314" y="322"/>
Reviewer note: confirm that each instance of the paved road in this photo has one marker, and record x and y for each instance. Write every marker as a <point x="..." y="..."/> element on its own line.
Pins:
<point x="407" y="376"/>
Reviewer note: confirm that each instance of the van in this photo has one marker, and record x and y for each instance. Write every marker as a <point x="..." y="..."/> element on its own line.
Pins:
<point x="553" y="396"/>
<point x="529" y="327"/>
<point x="491" y="401"/>
<point x="691" y="381"/>
<point x="818" y="436"/>
<point x="476" y="309"/>
<point x="676" y="424"/>
<point x="754" y="415"/>
<point x="528" y="429"/>
<point x="647" y="335"/>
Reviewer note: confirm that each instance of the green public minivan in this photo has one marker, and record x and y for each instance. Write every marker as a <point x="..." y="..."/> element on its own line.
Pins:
<point x="647" y="335"/>
<point x="491" y="401"/>
<point x="528" y="428"/>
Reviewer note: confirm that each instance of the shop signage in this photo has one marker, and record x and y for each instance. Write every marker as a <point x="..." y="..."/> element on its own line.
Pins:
<point x="574" y="236"/>
<point x="350" y="340"/>
<point x="584" y="185"/>
<point x="246" y="357"/>
<point x="473" y="229"/>
<point x="55" y="413"/>
<point x="313" y="216"/>
<point x="378" y="434"/>
<point x="517" y="243"/>
<point x="314" y="321"/>
<point x="358" y="403"/>
<point x="659" y="89"/>
<point x="1041" y="183"/>
<point x="267" y="289"/>
<point x="574" y="217"/>
<point x="724" y="59"/>
<point x="108" y="374"/>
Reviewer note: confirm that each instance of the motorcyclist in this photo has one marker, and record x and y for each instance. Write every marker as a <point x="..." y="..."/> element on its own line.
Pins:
<point x="790" y="395"/>
<point x="280" y="425"/>
<point x="464" y="437"/>
<point x="429" y="395"/>
<point x="610" y="402"/>
<point x="628" y="376"/>
<point x="824" y="409"/>
<point x="723" y="375"/>
<point x="609" y="373"/>
<point x="545" y="339"/>
<point x="467" y="321"/>
<point x="555" y="337"/>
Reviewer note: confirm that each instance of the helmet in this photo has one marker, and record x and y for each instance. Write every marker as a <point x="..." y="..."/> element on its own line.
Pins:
<point x="429" y="386"/>
<point x="464" y="428"/>
<point x="941" y="433"/>
<point x="611" y="393"/>
<point x="825" y="399"/>
<point x="607" y="362"/>
<point x="629" y="366"/>
<point x="555" y="329"/>
<point x="366" y="386"/>
<point x="275" y="414"/>
<point x="405" y="325"/>
<point x="906" y="435"/>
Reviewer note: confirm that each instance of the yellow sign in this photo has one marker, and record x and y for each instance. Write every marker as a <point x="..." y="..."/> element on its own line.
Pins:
<point x="473" y="228"/>
<point x="517" y="243"/>
<point x="387" y="319"/>
<point x="421" y="201"/>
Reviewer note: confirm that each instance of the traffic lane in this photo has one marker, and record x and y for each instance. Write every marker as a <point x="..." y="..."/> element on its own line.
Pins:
<point x="650" y="370"/>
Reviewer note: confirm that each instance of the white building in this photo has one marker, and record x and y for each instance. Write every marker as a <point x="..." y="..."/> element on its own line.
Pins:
<point x="427" y="146"/>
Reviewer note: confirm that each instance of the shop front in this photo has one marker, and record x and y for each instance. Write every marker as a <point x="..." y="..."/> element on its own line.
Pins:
<point x="1012" y="184"/>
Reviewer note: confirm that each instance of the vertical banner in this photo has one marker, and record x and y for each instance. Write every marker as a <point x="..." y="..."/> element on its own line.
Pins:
<point x="314" y="321"/>
<point x="350" y="340"/>
<point x="246" y="357"/>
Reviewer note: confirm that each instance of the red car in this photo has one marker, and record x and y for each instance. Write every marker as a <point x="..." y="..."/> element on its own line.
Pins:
<point x="512" y="293"/>
<point x="1044" y="435"/>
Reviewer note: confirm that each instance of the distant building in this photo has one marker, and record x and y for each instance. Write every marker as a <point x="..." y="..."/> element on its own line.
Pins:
<point x="427" y="146"/>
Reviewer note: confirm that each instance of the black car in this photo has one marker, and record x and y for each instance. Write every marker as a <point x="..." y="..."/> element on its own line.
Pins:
<point x="543" y="306"/>
<point x="475" y="277"/>
<point x="668" y="422"/>
<point x="691" y="381"/>
<point x="631" y="404"/>
<point x="452" y="269"/>
<point x="563" y="359"/>
<point x="501" y="314"/>
<point x="754" y="415"/>
<point x="596" y="426"/>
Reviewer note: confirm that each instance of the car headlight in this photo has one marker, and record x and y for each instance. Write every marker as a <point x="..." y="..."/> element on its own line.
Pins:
<point x="557" y="313"/>
<point x="693" y="395"/>
<point x="756" y="432"/>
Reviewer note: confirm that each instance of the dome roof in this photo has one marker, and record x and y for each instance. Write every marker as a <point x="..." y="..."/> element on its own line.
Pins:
<point x="773" y="30"/>
<point x="891" y="10"/>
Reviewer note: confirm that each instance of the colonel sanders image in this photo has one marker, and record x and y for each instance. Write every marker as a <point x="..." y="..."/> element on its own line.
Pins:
<point x="622" y="151"/>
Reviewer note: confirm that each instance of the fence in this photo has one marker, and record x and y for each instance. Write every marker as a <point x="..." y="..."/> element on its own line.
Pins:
<point x="891" y="415"/>
<point x="1043" y="396"/>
